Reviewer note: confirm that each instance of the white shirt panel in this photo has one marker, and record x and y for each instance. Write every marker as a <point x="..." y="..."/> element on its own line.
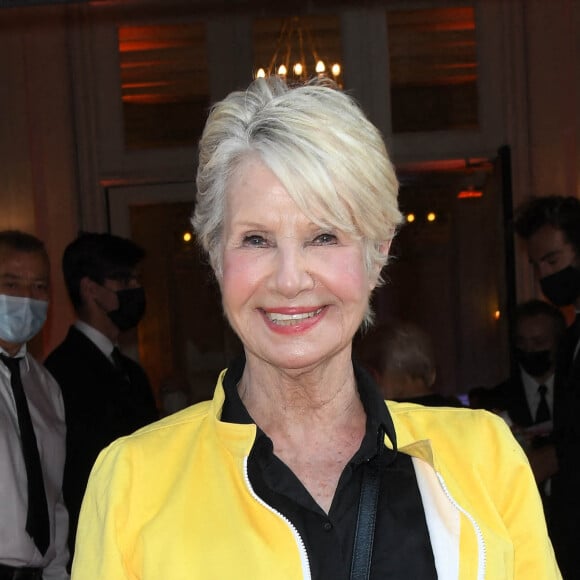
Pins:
<point x="531" y="385"/>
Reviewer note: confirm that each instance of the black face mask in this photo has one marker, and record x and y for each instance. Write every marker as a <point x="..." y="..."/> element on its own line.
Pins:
<point x="562" y="287"/>
<point x="131" y="308"/>
<point x="535" y="363"/>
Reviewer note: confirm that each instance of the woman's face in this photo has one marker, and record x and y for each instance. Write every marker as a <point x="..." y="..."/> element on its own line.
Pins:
<point x="294" y="293"/>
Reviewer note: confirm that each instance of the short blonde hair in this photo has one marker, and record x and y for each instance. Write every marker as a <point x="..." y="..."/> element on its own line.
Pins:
<point x="317" y="141"/>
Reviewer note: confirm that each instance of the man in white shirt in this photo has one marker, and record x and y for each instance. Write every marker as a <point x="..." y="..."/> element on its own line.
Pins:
<point x="528" y="396"/>
<point x="33" y="518"/>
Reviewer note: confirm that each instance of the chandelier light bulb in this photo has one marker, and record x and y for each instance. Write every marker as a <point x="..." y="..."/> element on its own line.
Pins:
<point x="296" y="48"/>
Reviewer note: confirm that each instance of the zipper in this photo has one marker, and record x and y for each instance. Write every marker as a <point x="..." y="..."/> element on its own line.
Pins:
<point x="481" y="550"/>
<point x="297" y="537"/>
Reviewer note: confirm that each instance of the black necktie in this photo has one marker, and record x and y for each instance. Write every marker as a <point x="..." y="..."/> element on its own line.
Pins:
<point x="118" y="359"/>
<point x="119" y="363"/>
<point x="543" y="411"/>
<point x="37" y="523"/>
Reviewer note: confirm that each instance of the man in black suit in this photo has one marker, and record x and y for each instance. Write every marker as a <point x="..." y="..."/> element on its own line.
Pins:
<point x="106" y="394"/>
<point x="550" y="227"/>
<point x="527" y="396"/>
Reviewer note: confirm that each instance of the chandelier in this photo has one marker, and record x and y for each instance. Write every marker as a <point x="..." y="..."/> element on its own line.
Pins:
<point x="296" y="58"/>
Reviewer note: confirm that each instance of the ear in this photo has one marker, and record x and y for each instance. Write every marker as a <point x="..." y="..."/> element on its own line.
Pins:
<point x="384" y="247"/>
<point x="384" y="250"/>
<point x="87" y="288"/>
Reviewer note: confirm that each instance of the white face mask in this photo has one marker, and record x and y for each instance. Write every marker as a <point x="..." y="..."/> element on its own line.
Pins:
<point x="21" y="318"/>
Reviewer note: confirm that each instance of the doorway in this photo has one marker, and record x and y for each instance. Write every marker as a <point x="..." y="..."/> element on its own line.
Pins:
<point x="183" y="341"/>
<point x="450" y="270"/>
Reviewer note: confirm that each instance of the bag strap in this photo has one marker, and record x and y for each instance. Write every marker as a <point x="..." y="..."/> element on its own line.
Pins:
<point x="365" y="525"/>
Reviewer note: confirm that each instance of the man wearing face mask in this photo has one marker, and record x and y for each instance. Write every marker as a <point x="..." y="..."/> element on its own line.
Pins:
<point x="106" y="394"/>
<point x="528" y="395"/>
<point x="33" y="518"/>
<point x="550" y="227"/>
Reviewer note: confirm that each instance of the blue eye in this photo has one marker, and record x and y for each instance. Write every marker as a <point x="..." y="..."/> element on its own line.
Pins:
<point x="254" y="241"/>
<point x="325" y="239"/>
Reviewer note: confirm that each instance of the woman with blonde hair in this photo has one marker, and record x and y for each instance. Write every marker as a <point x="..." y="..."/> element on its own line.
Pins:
<point x="297" y="468"/>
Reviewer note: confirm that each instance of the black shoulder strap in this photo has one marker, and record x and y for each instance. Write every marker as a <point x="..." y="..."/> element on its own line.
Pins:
<point x="365" y="525"/>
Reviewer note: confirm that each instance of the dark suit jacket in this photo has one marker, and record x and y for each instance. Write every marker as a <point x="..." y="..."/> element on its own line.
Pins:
<point x="510" y="396"/>
<point x="565" y="502"/>
<point x="101" y="404"/>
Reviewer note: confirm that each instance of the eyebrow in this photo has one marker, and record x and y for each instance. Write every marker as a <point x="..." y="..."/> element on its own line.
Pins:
<point x="550" y="254"/>
<point x="546" y="256"/>
<point x="10" y="276"/>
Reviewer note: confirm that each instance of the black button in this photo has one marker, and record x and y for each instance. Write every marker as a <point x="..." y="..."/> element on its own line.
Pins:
<point x="327" y="526"/>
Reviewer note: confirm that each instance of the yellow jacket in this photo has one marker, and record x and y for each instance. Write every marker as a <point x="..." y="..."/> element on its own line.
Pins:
<point x="173" y="502"/>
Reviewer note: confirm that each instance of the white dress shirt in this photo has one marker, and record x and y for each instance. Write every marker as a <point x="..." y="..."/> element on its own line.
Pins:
<point x="533" y="397"/>
<point x="17" y="548"/>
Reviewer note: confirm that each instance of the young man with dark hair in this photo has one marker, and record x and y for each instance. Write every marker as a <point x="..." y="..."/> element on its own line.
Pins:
<point x="33" y="518"/>
<point x="550" y="227"/>
<point x="106" y="394"/>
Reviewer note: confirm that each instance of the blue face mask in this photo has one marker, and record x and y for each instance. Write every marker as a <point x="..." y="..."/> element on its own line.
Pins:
<point x="21" y="318"/>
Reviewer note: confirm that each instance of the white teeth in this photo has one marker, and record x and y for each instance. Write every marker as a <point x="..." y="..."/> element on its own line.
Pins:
<point x="289" y="319"/>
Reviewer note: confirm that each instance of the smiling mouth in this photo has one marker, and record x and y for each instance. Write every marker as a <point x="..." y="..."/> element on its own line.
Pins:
<point x="291" y="319"/>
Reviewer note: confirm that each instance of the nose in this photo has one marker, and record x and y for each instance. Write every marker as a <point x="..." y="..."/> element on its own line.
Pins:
<point x="543" y="269"/>
<point x="27" y="290"/>
<point x="292" y="274"/>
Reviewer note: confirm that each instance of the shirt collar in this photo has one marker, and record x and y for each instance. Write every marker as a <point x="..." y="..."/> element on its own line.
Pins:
<point x="103" y="343"/>
<point x="22" y="353"/>
<point x="531" y="385"/>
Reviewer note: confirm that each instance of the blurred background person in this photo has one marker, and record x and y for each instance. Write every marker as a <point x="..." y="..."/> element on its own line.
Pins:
<point x="526" y="399"/>
<point x="550" y="228"/>
<point x="106" y="394"/>
<point x="528" y="395"/>
<point x="174" y="394"/>
<point x="33" y="517"/>
<point x="401" y="358"/>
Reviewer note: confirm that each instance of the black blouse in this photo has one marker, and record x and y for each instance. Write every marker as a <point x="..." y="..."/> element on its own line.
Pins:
<point x="402" y="547"/>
